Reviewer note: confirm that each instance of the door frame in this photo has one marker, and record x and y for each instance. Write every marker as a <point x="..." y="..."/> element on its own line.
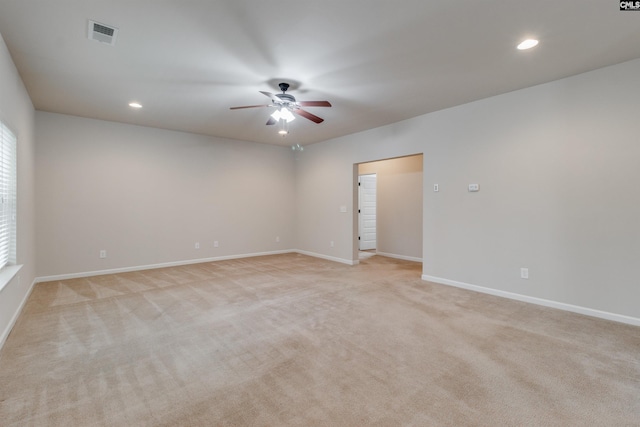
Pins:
<point x="355" y="228"/>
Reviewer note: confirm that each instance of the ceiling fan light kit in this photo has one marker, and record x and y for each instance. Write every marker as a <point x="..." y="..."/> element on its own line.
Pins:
<point x="283" y="114"/>
<point x="287" y="107"/>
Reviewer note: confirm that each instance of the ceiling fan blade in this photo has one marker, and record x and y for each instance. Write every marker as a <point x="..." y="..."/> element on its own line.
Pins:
<point x="308" y="115"/>
<point x="271" y="121"/>
<point x="248" y="106"/>
<point x="314" y="103"/>
<point x="269" y="94"/>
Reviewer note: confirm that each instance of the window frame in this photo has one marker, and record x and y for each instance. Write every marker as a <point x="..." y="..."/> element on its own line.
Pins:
<point x="8" y="196"/>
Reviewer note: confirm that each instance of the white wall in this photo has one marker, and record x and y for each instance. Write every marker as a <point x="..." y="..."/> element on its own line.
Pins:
<point x="399" y="205"/>
<point x="147" y="195"/>
<point x="558" y="169"/>
<point x="16" y="111"/>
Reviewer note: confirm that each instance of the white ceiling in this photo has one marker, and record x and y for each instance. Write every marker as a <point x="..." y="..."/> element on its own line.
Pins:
<point x="376" y="61"/>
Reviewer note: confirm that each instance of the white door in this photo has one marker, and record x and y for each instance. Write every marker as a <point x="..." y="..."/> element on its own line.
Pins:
<point x="367" y="209"/>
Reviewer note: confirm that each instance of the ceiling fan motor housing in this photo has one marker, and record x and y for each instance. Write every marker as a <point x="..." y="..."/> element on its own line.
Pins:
<point x="286" y="97"/>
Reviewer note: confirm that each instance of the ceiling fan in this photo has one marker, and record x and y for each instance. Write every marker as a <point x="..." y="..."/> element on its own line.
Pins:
<point x="286" y="106"/>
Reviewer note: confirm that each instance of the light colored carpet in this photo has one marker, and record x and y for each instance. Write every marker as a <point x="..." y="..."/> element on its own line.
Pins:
<point x="366" y="254"/>
<point x="291" y="340"/>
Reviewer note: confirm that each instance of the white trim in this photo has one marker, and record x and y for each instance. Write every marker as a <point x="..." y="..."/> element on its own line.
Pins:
<point x="186" y="262"/>
<point x="404" y="257"/>
<point x="14" y="319"/>
<point x="152" y="266"/>
<point x="7" y="273"/>
<point x="538" y="301"/>
<point x="329" y="258"/>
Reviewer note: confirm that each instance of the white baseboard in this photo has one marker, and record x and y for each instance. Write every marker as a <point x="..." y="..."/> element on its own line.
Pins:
<point x="14" y="319"/>
<point x="406" y="258"/>
<point x="538" y="301"/>
<point x="329" y="258"/>
<point x="185" y="262"/>
<point x="152" y="266"/>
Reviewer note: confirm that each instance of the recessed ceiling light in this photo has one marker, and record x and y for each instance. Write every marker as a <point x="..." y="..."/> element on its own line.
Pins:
<point x="135" y="105"/>
<point x="528" y="44"/>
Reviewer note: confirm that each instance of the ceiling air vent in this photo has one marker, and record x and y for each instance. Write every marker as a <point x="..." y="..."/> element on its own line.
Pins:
<point x="102" y="33"/>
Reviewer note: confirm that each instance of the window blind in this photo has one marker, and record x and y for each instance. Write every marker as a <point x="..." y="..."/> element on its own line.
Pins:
<point x="7" y="195"/>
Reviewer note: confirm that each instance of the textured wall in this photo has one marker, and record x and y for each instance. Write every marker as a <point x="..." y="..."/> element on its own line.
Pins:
<point x="146" y="196"/>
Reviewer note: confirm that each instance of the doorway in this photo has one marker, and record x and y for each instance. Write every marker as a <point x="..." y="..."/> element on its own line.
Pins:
<point x="394" y="200"/>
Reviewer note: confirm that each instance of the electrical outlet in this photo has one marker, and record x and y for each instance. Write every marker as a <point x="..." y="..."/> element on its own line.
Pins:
<point x="277" y="239"/>
<point x="436" y="188"/>
<point x="215" y="244"/>
<point x="524" y="273"/>
<point x="197" y="245"/>
<point x="103" y="253"/>
<point x="331" y="243"/>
